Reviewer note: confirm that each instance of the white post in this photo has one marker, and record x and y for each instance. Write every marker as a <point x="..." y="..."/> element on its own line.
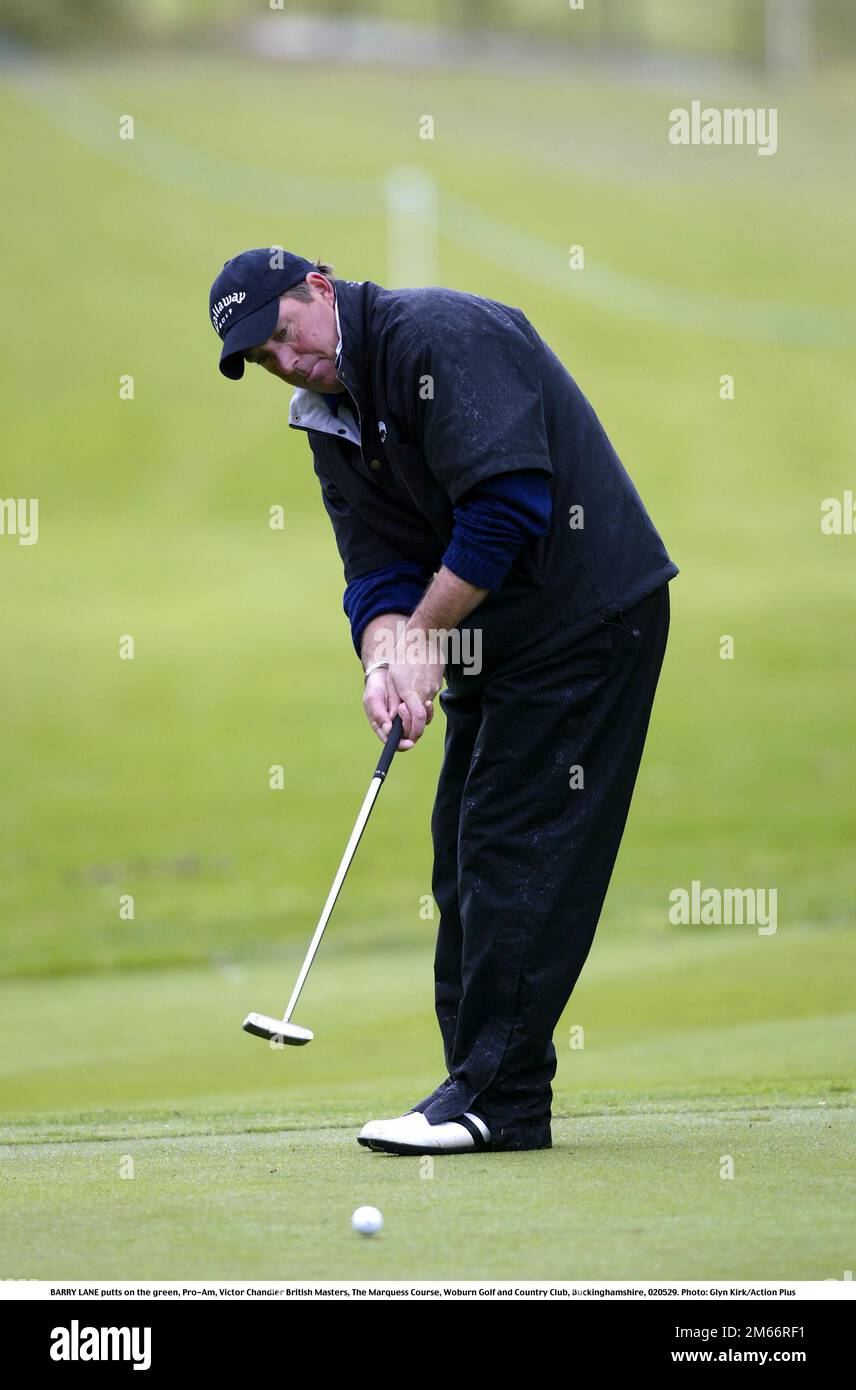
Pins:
<point x="411" y="216"/>
<point x="789" y="32"/>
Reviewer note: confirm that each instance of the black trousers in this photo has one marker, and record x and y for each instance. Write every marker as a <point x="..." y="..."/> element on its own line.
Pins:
<point x="523" y="856"/>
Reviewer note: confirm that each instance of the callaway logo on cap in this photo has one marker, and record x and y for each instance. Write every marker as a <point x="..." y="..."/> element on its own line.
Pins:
<point x="244" y="300"/>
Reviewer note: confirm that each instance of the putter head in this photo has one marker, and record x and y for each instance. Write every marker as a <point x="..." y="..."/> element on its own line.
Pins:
<point x="276" y="1030"/>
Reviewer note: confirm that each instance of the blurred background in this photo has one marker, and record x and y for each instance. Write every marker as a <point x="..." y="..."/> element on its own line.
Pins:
<point x="149" y="778"/>
<point x="791" y="35"/>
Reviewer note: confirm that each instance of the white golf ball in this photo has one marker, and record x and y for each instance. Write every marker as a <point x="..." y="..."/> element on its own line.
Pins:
<point x="367" y="1220"/>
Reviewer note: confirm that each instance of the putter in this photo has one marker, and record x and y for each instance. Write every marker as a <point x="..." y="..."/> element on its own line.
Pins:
<point x="282" y="1030"/>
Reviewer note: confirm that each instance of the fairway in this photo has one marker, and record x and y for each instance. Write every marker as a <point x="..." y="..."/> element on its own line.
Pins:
<point x="120" y="1037"/>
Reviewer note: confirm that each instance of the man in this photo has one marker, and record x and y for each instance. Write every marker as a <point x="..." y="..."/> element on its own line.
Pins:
<point x="489" y="534"/>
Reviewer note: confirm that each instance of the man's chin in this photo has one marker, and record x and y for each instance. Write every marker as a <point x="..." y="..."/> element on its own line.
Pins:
<point x="325" y="381"/>
<point x="328" y="382"/>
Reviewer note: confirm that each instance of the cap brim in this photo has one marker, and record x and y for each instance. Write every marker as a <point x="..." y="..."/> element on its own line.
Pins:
<point x="251" y="332"/>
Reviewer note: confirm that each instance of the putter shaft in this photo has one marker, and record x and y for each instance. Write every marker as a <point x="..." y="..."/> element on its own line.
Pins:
<point x="260" y="1024"/>
<point x="365" y="812"/>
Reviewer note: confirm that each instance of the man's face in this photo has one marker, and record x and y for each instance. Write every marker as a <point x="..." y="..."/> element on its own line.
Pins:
<point x="302" y="347"/>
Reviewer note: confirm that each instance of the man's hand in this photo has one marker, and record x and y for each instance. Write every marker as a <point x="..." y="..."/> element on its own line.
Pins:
<point x="415" y="681"/>
<point x="415" y="673"/>
<point x="382" y="701"/>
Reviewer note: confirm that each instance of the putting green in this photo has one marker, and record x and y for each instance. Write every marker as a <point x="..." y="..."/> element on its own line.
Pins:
<point x="245" y="1164"/>
<point x="629" y="1194"/>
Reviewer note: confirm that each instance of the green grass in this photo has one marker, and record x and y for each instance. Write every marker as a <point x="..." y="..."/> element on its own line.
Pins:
<point x="150" y="777"/>
<point x="245" y="1163"/>
<point x="154" y="512"/>
<point x="602" y="1204"/>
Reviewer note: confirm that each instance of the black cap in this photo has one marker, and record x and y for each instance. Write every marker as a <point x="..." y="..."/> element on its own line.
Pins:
<point x="244" y="300"/>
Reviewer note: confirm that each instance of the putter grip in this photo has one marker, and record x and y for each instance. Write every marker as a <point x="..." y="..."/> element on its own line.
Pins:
<point x="389" y="748"/>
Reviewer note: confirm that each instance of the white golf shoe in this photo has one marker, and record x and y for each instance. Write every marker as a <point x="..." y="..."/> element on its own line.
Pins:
<point x="412" y="1134"/>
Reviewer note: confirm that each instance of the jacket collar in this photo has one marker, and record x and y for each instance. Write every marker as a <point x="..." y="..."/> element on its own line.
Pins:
<point x="308" y="410"/>
<point x="354" y="301"/>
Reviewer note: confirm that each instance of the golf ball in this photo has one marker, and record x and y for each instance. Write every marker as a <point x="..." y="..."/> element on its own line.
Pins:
<point x="367" y="1220"/>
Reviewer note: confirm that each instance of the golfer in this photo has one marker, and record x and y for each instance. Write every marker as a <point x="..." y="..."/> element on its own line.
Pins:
<point x="490" y="538"/>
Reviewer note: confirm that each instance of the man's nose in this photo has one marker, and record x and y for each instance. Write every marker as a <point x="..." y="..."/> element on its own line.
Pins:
<point x="286" y="358"/>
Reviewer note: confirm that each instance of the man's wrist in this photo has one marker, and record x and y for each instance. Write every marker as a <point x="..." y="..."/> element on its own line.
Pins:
<point x="379" y="637"/>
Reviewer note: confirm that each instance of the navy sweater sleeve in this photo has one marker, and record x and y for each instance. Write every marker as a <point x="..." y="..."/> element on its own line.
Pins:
<point x="395" y="588"/>
<point x="492" y="523"/>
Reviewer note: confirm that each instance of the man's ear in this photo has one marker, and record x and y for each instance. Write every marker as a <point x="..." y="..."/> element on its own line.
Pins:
<point x="320" y="284"/>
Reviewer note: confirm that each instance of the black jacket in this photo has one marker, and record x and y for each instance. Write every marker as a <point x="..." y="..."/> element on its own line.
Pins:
<point x="451" y="388"/>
